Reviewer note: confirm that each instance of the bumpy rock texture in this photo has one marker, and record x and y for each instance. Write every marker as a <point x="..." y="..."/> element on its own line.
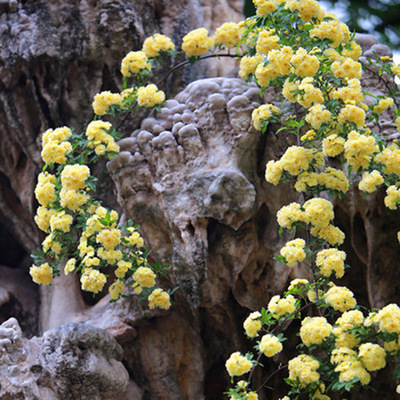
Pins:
<point x="191" y="176"/>
<point x="74" y="361"/>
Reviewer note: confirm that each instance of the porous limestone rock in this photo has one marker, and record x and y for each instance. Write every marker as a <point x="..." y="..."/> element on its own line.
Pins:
<point x="74" y="361"/>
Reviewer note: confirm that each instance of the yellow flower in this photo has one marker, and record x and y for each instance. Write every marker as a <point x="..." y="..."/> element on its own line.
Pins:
<point x="57" y="135"/>
<point x="270" y="345"/>
<point x="346" y="68"/>
<point x="149" y="96"/>
<point x="351" y="113"/>
<point x="252" y="325"/>
<point x="340" y="298"/>
<point x="61" y="221"/>
<point x="264" y="73"/>
<point x="159" y="298"/>
<point x="72" y="199"/>
<point x="329" y="30"/>
<point x="318" y="115"/>
<point x="157" y="43"/>
<point x="134" y="62"/>
<point x="54" y="153"/>
<point x="333" y="145"/>
<point x="359" y="149"/>
<point x="279" y="307"/>
<point x="370" y="181"/>
<point x="273" y="172"/>
<point x="304" y="64"/>
<point x="304" y="369"/>
<point x="116" y="289"/>
<point x="294" y="252"/>
<point x="248" y="65"/>
<point x="331" y="260"/>
<point x="314" y="330"/>
<point x="42" y="275"/>
<point x="197" y="42"/>
<point x="145" y="277"/>
<point x="73" y="177"/>
<point x="319" y="212"/>
<point x="263" y="113"/>
<point x="109" y="238"/>
<point x="104" y="100"/>
<point x="296" y="282"/>
<point x="92" y="280"/>
<point x="372" y="356"/>
<point x="266" y="42"/>
<point x="42" y="218"/>
<point x="280" y="59"/>
<point x="237" y="365"/>
<point x="70" y="266"/>
<point x="389" y="319"/>
<point x="45" y="191"/>
<point x="227" y="34"/>
<point x="264" y="7"/>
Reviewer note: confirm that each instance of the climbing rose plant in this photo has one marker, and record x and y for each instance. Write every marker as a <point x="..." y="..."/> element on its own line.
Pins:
<point x="311" y="58"/>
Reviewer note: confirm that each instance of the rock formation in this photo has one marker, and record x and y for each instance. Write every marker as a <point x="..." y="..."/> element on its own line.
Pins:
<point x="191" y="176"/>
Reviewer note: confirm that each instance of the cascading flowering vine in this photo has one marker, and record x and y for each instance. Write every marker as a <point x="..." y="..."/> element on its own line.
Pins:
<point x="312" y="59"/>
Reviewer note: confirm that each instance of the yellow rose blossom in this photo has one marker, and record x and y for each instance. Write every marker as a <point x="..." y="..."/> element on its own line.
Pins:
<point x="289" y="87"/>
<point x="280" y="59"/>
<point x="314" y="330"/>
<point x="390" y="159"/>
<point x="346" y="68"/>
<point x="57" y="135"/>
<point x="227" y="34"/>
<point x="304" y="369"/>
<point x="70" y="266"/>
<point x="266" y="42"/>
<point x="332" y="234"/>
<point x="264" y="73"/>
<point x="109" y="238"/>
<point x="42" y="275"/>
<point x="270" y="345"/>
<point x="252" y="325"/>
<point x="358" y="150"/>
<point x="392" y="198"/>
<point x="353" y="114"/>
<point x="73" y="177"/>
<point x="104" y="100"/>
<point x="72" y="199"/>
<point x="149" y="96"/>
<point x="134" y="62"/>
<point x="237" y="365"/>
<point x="92" y="280"/>
<point x="340" y="298"/>
<point x="159" y="298"/>
<point x="45" y="191"/>
<point x="331" y="261"/>
<point x="383" y="105"/>
<point x="370" y="181"/>
<point x="389" y="319"/>
<point x="116" y="289"/>
<point x="318" y="115"/>
<point x="296" y="282"/>
<point x="197" y="42"/>
<point x="372" y="356"/>
<point x="263" y="113"/>
<point x="123" y="268"/>
<point x="290" y="214"/>
<point x="157" y="43"/>
<point x="248" y="65"/>
<point x="294" y="252"/>
<point x="145" y="277"/>
<point x="54" y="153"/>
<point x="280" y="306"/>
<point x="61" y="221"/>
<point x="42" y="218"/>
<point x="304" y="64"/>
<point x="333" y="145"/>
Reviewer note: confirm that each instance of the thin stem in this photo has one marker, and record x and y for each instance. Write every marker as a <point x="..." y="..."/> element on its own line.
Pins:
<point x="280" y="368"/>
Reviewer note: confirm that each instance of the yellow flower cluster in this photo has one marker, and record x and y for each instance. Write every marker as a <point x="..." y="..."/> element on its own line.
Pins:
<point x="99" y="139"/>
<point x="350" y="93"/>
<point x="344" y="324"/>
<point x="304" y="64"/>
<point x="264" y="7"/>
<point x="264" y="73"/>
<point x="70" y="266"/>
<point x="359" y="149"/>
<point x="290" y="214"/>
<point x="383" y="105"/>
<point x="109" y="238"/>
<point x="390" y="159"/>
<point x="73" y="199"/>
<point x="353" y="369"/>
<point x="309" y="95"/>
<point x="135" y="239"/>
<point x="55" y="145"/>
<point x="227" y="35"/>
<point x="333" y="145"/>
<point x="346" y="67"/>
<point x="116" y="289"/>
<point x="340" y="298"/>
<point x="392" y="198"/>
<point x="318" y="115"/>
<point x="263" y="113"/>
<point x="280" y="59"/>
<point x="279" y="307"/>
<point x="149" y="96"/>
<point x="353" y="114"/>
<point x="134" y="62"/>
<point x="334" y="30"/>
<point x="314" y="330"/>
<point x="270" y="345"/>
<point x="73" y="177"/>
<point x="389" y="319"/>
<point x="332" y="178"/>
<point x="370" y="181"/>
<point x="157" y="43"/>
<point x="294" y="252"/>
<point x="145" y="277"/>
<point x="372" y="356"/>
<point x="42" y="218"/>
<point x="92" y="280"/>
<point x="123" y="268"/>
<point x="197" y="42"/>
<point x="248" y="65"/>
<point x="104" y="100"/>
<point x="159" y="298"/>
<point x="252" y="324"/>
<point x="61" y="221"/>
<point x="267" y="41"/>
<point x="331" y="261"/>
<point x="45" y="190"/>
<point x="42" y="275"/>
<point x="237" y="364"/>
<point x="304" y="369"/>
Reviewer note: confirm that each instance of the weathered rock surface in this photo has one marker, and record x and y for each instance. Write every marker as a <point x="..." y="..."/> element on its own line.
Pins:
<point x="74" y="361"/>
